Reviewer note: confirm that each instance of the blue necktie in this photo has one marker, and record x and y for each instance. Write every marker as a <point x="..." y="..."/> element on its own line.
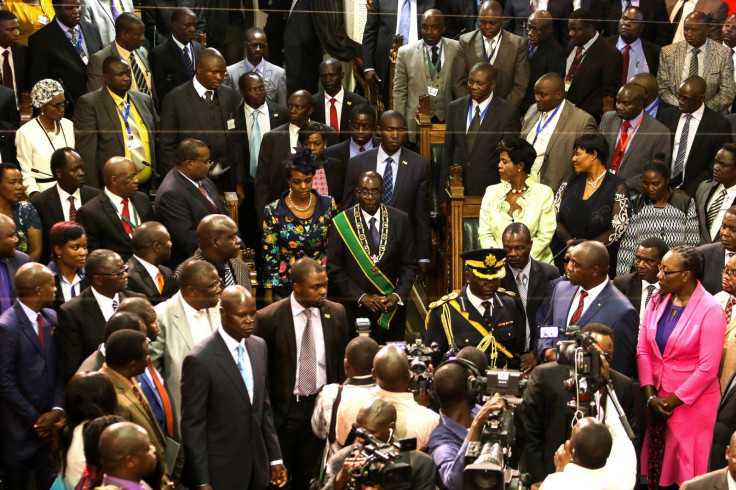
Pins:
<point x="374" y="233"/>
<point x="405" y="21"/>
<point x="5" y="300"/>
<point x="255" y="143"/>
<point x="247" y="378"/>
<point x="388" y="182"/>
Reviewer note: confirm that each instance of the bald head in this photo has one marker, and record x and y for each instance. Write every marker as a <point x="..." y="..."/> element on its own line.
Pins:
<point x="594" y="253"/>
<point x="31" y="279"/>
<point x="633" y="90"/>
<point x="233" y="296"/>
<point x="126" y="451"/>
<point x="208" y="55"/>
<point x="695" y="84"/>
<point x="144" y="309"/>
<point x="359" y="355"/>
<point x="148" y="233"/>
<point x="590" y="443"/>
<point x="543" y="16"/>
<point x="212" y="227"/>
<point x="120" y="175"/>
<point x="650" y="85"/>
<point x="8" y="238"/>
<point x="554" y="81"/>
<point x="391" y="369"/>
<point x="434" y="13"/>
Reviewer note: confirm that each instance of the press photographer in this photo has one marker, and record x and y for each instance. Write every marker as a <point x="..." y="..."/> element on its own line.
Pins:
<point x="356" y="467"/>
<point x="546" y="416"/>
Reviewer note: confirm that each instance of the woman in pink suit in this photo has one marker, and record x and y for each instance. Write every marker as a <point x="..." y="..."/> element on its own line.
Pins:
<point x="679" y="351"/>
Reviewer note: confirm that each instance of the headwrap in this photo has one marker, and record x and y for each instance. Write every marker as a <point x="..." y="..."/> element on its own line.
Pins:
<point x="44" y="91"/>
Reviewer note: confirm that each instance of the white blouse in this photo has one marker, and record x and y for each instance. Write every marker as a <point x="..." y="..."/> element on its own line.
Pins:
<point x="35" y="147"/>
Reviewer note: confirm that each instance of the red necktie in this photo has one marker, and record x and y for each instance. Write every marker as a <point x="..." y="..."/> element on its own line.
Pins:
<point x="72" y="209"/>
<point x="729" y="307"/>
<point x="126" y="217"/>
<point x="7" y="72"/>
<point x="618" y="154"/>
<point x="574" y="65"/>
<point x="40" y="329"/>
<point x="204" y="193"/>
<point x="625" y="73"/>
<point x="160" y="282"/>
<point x="579" y="311"/>
<point x="164" y="399"/>
<point x="362" y="149"/>
<point x="333" y="115"/>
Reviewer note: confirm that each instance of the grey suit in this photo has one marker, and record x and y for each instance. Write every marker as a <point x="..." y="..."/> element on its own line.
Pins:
<point x="702" y="196"/>
<point x="274" y="78"/>
<point x="511" y="63"/>
<point x="650" y="138"/>
<point x="94" y="67"/>
<point x="573" y="122"/>
<point x="98" y="12"/>
<point x="412" y="59"/>
<point x="715" y="480"/>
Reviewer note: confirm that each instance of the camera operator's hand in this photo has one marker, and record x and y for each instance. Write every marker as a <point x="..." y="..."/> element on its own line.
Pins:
<point x="373" y="303"/>
<point x="344" y="476"/>
<point x="528" y="361"/>
<point x="476" y="427"/>
<point x="563" y="455"/>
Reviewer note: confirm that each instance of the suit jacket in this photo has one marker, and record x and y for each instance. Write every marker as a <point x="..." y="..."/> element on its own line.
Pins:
<point x="274" y="79"/>
<point x="94" y="67"/>
<point x="630" y="286"/>
<point x="573" y="122"/>
<point x="412" y="59"/>
<point x="480" y="163"/>
<point x="78" y="288"/>
<point x="105" y="229"/>
<point x="712" y="134"/>
<point x="717" y="71"/>
<point x="650" y="138"/>
<point x="460" y="16"/>
<point x="723" y="429"/>
<point x="180" y="207"/>
<point x="598" y="76"/>
<point x="545" y="417"/>
<point x="182" y="119"/>
<point x="717" y="480"/>
<point x="81" y="329"/>
<point x="657" y="27"/>
<point x="341" y="151"/>
<point x="241" y="273"/>
<point x="29" y="376"/>
<point x="516" y="13"/>
<point x="13" y="263"/>
<point x="210" y="375"/>
<point x="156" y="15"/>
<point x="350" y="100"/>
<point x="651" y="52"/>
<point x="48" y="205"/>
<point x="20" y="72"/>
<point x="168" y="67"/>
<point x="549" y="57"/>
<point x="98" y="13"/>
<point x="51" y="55"/>
<point x="715" y="12"/>
<point x="702" y="197"/>
<point x="99" y="133"/>
<point x="728" y="359"/>
<point x="511" y="63"/>
<point x="715" y="261"/>
<point x="610" y="308"/>
<point x="411" y="191"/>
<point x="93" y="362"/>
<point x="140" y="281"/>
<point x="731" y="118"/>
<point x="275" y="325"/>
<point x="174" y="343"/>
<point x="277" y="115"/>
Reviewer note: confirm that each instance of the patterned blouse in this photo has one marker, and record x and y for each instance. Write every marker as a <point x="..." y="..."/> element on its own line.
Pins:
<point x="25" y="216"/>
<point x="284" y="235"/>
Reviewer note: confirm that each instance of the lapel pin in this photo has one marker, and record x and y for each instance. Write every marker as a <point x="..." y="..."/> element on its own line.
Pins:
<point x="327" y="315"/>
<point x="403" y="161"/>
<point x="349" y="103"/>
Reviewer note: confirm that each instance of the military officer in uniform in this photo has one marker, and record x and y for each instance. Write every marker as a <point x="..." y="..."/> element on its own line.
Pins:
<point x="482" y="314"/>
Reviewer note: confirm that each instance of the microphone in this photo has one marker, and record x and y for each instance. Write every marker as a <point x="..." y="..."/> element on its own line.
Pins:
<point x="67" y="95"/>
<point x="37" y="171"/>
<point x="154" y="179"/>
<point x="462" y="31"/>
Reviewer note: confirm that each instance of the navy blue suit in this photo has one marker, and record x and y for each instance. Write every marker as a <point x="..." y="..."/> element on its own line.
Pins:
<point x="30" y="386"/>
<point x="13" y="263"/>
<point x="611" y="308"/>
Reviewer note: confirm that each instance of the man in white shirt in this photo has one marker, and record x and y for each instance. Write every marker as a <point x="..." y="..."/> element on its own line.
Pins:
<point x="151" y="249"/>
<point x="714" y="197"/>
<point x="641" y="285"/>
<point x="334" y="103"/>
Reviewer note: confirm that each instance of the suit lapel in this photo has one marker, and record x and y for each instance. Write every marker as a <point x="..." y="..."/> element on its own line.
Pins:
<point x="27" y="328"/>
<point x="181" y="324"/>
<point x="479" y="46"/>
<point x="710" y="55"/>
<point x="228" y="365"/>
<point x="559" y="128"/>
<point x="113" y="114"/>
<point x="146" y="278"/>
<point x="596" y="305"/>
<point x="55" y="204"/>
<point x="327" y="330"/>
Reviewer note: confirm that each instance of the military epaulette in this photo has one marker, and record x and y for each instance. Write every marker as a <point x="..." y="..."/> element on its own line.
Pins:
<point x="444" y="299"/>
<point x="504" y="291"/>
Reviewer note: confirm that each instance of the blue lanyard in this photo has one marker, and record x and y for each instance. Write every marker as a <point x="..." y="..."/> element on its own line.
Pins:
<point x="125" y="118"/>
<point x="482" y="114"/>
<point x="490" y="57"/>
<point x="539" y="130"/>
<point x="78" y="47"/>
<point x="653" y="110"/>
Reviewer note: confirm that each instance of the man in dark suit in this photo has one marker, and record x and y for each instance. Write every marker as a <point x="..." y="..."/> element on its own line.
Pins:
<point x="527" y="279"/>
<point x="186" y="196"/>
<point x="101" y="133"/>
<point x="173" y="61"/>
<point x="642" y="55"/>
<point x="31" y="386"/>
<point x="640" y="286"/>
<point x="8" y="124"/>
<point x="55" y="203"/>
<point x="362" y="127"/>
<point x="593" y="68"/>
<point x="110" y="218"/>
<point x="204" y="109"/>
<point x="716" y="195"/>
<point x="545" y="416"/>
<point x="718" y="253"/>
<point x="653" y="104"/>
<point x="82" y="318"/>
<point x="473" y="145"/>
<point x="146" y="272"/>
<point x="308" y="334"/>
<point x="158" y="16"/>
<point x="332" y="105"/>
<point x="224" y="379"/>
<point x="516" y="13"/>
<point x="507" y="52"/>
<point x="17" y="82"/>
<point x="10" y="261"/>
<point x="52" y="53"/>
<point x="379" y="292"/>
<point x="302" y="51"/>
<point x="405" y="178"/>
<point x="654" y="19"/>
<point x="589" y="297"/>
<point x="546" y="55"/>
<point x="722" y="431"/>
<point x="707" y="131"/>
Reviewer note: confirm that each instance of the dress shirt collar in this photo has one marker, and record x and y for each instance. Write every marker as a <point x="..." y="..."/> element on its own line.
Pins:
<point x="495" y="39"/>
<point x="199" y="87"/>
<point x="636" y="120"/>
<point x="189" y="311"/>
<point x="731" y="482"/>
<point x="64" y="28"/>
<point x="651" y="106"/>
<point x="261" y="67"/>
<point x="181" y="46"/>
<point x="116" y="98"/>
<point x="367" y="217"/>
<point x="124" y="53"/>
<point x="594" y="291"/>
<point x="697" y="115"/>
<point x="230" y="342"/>
<point x="32" y="315"/>
<point x="249" y="110"/>
<point x="195" y="184"/>
<point x="382" y="156"/>
<point x="428" y="47"/>
<point x="483" y="105"/>
<point x="587" y="45"/>
<point x="476" y="301"/>
<point x="526" y="270"/>
<point x="104" y="300"/>
<point x="114" y="197"/>
<point x="706" y="46"/>
<point x="64" y="196"/>
<point x="644" y="286"/>
<point x="9" y="49"/>
<point x="150" y="268"/>
<point x="338" y="97"/>
<point x="355" y="147"/>
<point x="635" y="46"/>
<point x="297" y="309"/>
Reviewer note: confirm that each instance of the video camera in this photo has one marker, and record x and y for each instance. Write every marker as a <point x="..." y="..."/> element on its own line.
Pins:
<point x="420" y="357"/>
<point x="578" y="352"/>
<point x="381" y="467"/>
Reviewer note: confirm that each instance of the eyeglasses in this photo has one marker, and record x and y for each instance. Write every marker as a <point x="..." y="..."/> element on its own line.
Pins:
<point x="367" y="193"/>
<point x="667" y="273"/>
<point x="118" y="274"/>
<point x="729" y="272"/>
<point x="58" y="106"/>
<point x="207" y="162"/>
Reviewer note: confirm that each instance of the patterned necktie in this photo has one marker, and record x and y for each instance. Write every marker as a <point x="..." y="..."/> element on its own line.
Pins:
<point x="729" y="308"/>
<point x="7" y="71"/>
<point x="487" y="313"/>
<point x="405" y="21"/>
<point x="574" y="65"/>
<point x="361" y="149"/>
<point x="39" y="319"/>
<point x="307" y="359"/>
<point x="160" y="282"/>
<point x="715" y="207"/>
<point x="625" y="73"/>
<point x="694" y="62"/>
<point x="72" y="209"/>
<point x="618" y="154"/>
<point x="650" y="291"/>
<point x="140" y="79"/>
<point x="126" y="217"/>
<point x="680" y="159"/>
<point x="473" y="128"/>
<point x="333" y="115"/>
<point x="114" y="10"/>
<point x="188" y="59"/>
<point x="247" y="377"/>
<point x="319" y="182"/>
<point x="388" y="182"/>
<point x="374" y="232"/>
<point x="74" y="37"/>
<point x="579" y="310"/>
<point x="5" y="299"/>
<point x="254" y="142"/>
<point x="229" y="278"/>
<point x="532" y="50"/>
<point x="208" y="96"/>
<point x="521" y="286"/>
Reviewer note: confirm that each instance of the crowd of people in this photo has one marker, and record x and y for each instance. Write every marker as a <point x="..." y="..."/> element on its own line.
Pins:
<point x="148" y="354"/>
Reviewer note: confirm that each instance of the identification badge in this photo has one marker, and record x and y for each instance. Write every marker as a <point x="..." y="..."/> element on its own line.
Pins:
<point x="230" y="124"/>
<point x="433" y="91"/>
<point x="133" y="144"/>
<point x="43" y="19"/>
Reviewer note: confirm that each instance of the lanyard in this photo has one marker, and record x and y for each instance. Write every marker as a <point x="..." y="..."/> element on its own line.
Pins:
<point x="653" y="110"/>
<point x="625" y="139"/>
<point x="490" y="57"/>
<point x="47" y="134"/>
<point x="433" y="66"/>
<point x="482" y="114"/>
<point x="78" y="46"/>
<point x="125" y="118"/>
<point x="135" y="214"/>
<point x="539" y="130"/>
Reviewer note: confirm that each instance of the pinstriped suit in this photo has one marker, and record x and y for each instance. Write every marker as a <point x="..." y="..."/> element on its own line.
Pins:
<point x="717" y="72"/>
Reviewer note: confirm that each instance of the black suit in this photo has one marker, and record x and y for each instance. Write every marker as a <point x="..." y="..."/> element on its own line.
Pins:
<point x="210" y="377"/>
<point x="104" y="227"/>
<point x="598" y="76"/>
<point x="410" y="193"/>
<point x="48" y="205"/>
<point x="724" y="427"/>
<point x="20" y="78"/>
<point x="180" y="207"/>
<point x="480" y="163"/>
<point x="302" y="51"/>
<point x="549" y="57"/>
<point x="460" y="16"/>
<point x="657" y="27"/>
<point x="350" y="100"/>
<point x="398" y="264"/>
<point x="51" y="55"/>
<point x="651" y="53"/>
<point x="140" y="281"/>
<point x="630" y="285"/>
<point x="517" y="12"/>
<point x="156" y="15"/>
<point x="715" y="261"/>
<point x="59" y="298"/>
<point x="168" y="67"/>
<point x="275" y="324"/>
<point x="545" y="417"/>
<point x="81" y="329"/>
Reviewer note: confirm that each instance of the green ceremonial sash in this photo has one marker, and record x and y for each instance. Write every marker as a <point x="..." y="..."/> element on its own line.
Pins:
<point x="369" y="269"/>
